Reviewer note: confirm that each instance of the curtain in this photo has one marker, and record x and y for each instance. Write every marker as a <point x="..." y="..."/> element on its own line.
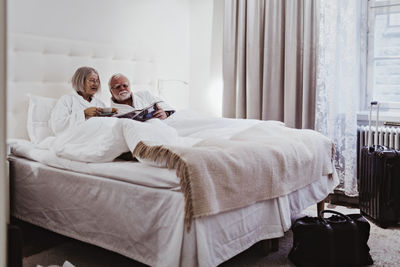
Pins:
<point x="338" y="83"/>
<point x="269" y="60"/>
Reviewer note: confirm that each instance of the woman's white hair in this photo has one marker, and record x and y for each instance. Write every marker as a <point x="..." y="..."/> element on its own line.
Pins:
<point x="116" y="76"/>
<point x="79" y="78"/>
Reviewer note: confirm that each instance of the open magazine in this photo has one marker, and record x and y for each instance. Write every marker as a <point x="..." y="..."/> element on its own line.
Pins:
<point x="140" y="114"/>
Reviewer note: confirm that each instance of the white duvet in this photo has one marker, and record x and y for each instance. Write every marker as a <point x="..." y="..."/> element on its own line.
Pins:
<point x="102" y="139"/>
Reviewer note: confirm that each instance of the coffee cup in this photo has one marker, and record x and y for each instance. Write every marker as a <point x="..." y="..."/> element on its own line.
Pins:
<point x="107" y="110"/>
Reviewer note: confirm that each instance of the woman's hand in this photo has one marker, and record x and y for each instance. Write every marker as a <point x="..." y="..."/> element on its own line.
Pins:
<point x="92" y="112"/>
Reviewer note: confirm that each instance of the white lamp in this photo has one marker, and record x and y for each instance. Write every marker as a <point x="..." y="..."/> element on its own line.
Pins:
<point x="174" y="91"/>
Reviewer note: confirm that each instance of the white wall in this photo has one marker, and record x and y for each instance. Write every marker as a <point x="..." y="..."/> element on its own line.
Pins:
<point x="4" y="204"/>
<point x="157" y="28"/>
<point x="184" y="37"/>
<point x="206" y="25"/>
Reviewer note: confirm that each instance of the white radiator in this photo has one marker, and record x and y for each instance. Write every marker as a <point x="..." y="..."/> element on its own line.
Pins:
<point x="387" y="136"/>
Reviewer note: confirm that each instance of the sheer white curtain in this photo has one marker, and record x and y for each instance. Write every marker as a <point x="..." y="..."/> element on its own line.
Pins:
<point x="338" y="83"/>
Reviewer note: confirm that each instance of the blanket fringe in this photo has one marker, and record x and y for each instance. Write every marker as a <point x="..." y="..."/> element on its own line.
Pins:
<point x="172" y="160"/>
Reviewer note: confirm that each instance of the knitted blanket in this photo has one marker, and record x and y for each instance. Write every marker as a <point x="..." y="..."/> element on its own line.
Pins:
<point x="262" y="162"/>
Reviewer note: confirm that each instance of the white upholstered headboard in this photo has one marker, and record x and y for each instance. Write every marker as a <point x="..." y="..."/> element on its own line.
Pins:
<point x="44" y="66"/>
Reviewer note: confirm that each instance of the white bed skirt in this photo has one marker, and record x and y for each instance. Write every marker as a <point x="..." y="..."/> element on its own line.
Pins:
<point x="145" y="223"/>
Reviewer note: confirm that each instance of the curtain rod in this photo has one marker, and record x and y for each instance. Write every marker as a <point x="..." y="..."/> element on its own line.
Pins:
<point x="387" y="5"/>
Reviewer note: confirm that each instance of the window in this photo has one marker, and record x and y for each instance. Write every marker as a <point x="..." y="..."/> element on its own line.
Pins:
<point x="383" y="63"/>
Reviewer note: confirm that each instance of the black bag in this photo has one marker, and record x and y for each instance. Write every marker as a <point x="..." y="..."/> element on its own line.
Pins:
<point x="340" y="240"/>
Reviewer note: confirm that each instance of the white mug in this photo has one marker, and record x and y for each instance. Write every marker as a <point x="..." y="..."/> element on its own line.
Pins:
<point x="107" y="110"/>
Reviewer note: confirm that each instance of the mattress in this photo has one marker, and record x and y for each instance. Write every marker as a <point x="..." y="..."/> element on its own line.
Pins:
<point x="137" y="210"/>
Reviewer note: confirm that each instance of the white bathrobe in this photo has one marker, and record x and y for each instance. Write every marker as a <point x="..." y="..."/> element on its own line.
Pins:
<point x="69" y="111"/>
<point x="141" y="100"/>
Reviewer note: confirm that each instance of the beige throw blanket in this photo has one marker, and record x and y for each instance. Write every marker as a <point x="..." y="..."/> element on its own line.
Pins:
<point x="263" y="162"/>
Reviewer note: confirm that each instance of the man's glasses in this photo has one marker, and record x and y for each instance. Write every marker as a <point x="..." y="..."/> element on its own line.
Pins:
<point x="119" y="86"/>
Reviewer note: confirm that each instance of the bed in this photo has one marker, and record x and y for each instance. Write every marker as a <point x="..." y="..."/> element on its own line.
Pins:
<point x="134" y="208"/>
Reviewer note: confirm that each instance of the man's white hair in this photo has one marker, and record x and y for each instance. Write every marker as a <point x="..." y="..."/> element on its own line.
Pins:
<point x="116" y="76"/>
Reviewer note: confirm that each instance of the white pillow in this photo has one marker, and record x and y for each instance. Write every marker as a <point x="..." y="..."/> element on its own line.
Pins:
<point x="39" y="111"/>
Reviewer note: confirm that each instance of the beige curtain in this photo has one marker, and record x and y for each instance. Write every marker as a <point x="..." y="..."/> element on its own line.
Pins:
<point x="269" y="61"/>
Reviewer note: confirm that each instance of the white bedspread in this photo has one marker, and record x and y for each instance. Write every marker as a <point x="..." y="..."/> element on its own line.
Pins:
<point x="267" y="151"/>
<point x="102" y="139"/>
<point x="91" y="148"/>
<point x="202" y="149"/>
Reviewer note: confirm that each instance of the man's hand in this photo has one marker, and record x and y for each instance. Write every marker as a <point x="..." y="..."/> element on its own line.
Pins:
<point x="159" y="113"/>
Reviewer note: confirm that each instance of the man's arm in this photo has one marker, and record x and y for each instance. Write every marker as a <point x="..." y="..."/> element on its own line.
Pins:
<point x="163" y="109"/>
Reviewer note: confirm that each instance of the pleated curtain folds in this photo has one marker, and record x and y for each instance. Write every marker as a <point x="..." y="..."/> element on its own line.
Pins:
<point x="269" y="60"/>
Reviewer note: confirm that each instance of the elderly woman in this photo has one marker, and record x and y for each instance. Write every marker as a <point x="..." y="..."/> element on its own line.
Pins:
<point x="75" y="108"/>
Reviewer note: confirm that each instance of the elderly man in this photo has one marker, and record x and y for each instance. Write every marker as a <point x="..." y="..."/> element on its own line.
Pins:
<point x="125" y="101"/>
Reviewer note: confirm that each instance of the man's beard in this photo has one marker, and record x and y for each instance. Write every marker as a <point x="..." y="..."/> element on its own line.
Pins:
<point x="122" y="96"/>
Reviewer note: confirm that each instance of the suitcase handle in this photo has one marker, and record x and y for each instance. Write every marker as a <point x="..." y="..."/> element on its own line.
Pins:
<point x="373" y="103"/>
<point x="387" y="185"/>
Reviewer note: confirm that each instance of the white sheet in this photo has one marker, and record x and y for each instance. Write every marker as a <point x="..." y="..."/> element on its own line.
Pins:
<point x="127" y="171"/>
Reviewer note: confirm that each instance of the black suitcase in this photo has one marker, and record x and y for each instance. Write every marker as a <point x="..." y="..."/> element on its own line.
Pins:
<point x="379" y="192"/>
